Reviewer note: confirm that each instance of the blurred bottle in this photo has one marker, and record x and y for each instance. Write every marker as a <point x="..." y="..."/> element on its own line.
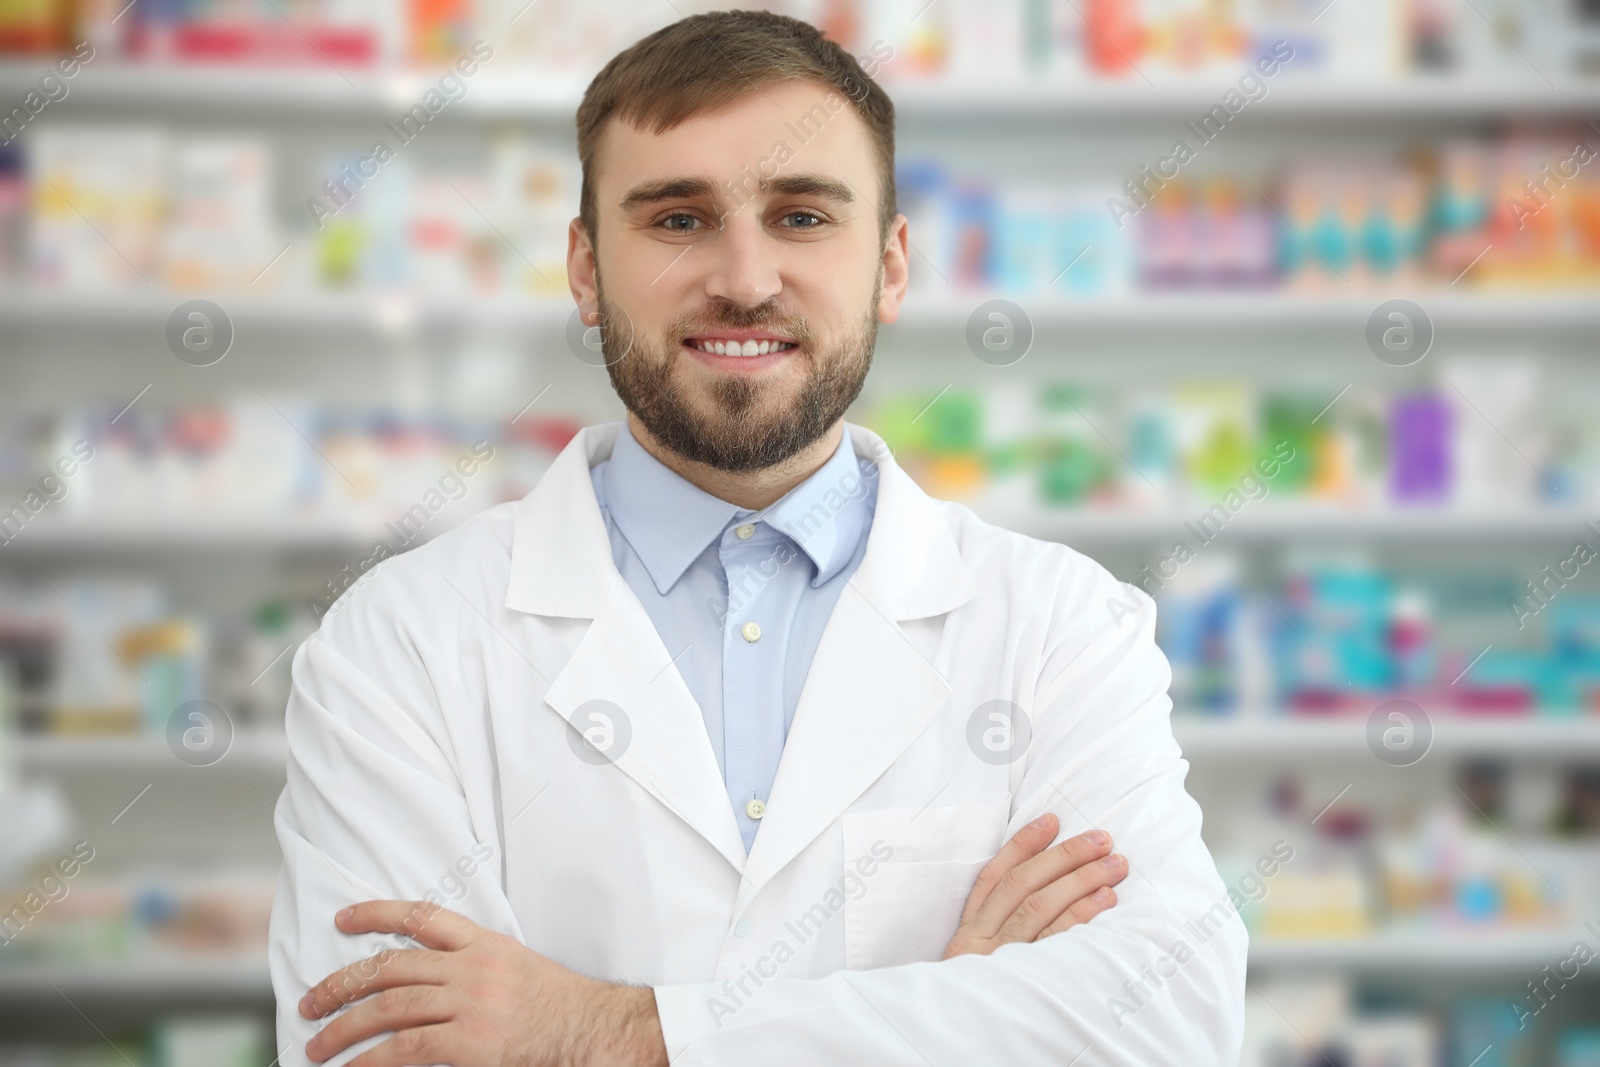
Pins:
<point x="1114" y="38"/>
<point x="13" y="216"/>
<point x="171" y="656"/>
<point x="35" y="26"/>
<point x="1419" y="435"/>
<point x="270" y="635"/>
<point x="1411" y="640"/>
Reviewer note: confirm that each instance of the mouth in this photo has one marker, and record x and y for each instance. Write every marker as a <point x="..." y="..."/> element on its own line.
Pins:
<point x="740" y="351"/>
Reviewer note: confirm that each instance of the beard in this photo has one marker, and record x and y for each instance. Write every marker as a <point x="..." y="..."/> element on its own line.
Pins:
<point x="739" y="433"/>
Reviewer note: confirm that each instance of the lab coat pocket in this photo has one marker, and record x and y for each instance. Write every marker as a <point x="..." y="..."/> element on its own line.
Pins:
<point x="911" y="902"/>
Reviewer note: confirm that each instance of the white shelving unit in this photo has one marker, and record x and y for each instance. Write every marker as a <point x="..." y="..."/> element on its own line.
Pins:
<point x="144" y="754"/>
<point x="1259" y="737"/>
<point x="299" y="104"/>
<point x="1269" y="523"/>
<point x="174" y="980"/>
<point x="1203" y="740"/>
<point x="1452" y="952"/>
<point x="390" y="312"/>
<point x="356" y="91"/>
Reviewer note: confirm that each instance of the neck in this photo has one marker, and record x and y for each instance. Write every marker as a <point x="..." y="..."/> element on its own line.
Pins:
<point x="753" y="489"/>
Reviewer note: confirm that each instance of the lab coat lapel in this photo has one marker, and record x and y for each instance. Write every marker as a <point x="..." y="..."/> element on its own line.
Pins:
<point x="867" y="695"/>
<point x="561" y="565"/>
<point x="869" y="692"/>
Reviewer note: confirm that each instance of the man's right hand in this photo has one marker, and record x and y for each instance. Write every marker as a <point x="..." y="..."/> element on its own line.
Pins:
<point x="1025" y="893"/>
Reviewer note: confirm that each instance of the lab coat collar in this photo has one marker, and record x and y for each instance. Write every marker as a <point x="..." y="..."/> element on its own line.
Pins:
<point x="867" y="696"/>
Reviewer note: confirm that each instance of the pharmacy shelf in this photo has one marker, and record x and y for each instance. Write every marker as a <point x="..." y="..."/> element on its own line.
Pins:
<point x="1204" y="739"/>
<point x="1268" y="308"/>
<point x="95" y="534"/>
<point x="320" y="90"/>
<point x="391" y="313"/>
<point x="186" y="979"/>
<point x="253" y="750"/>
<point x="1456" y="951"/>
<point x="62" y="310"/>
<point x="1171" y="98"/>
<point x="1244" y="737"/>
<point x="248" y="976"/>
<point x="1084" y="526"/>
<point x="1258" y="521"/>
<point x="1259" y="737"/>
<point x="328" y="91"/>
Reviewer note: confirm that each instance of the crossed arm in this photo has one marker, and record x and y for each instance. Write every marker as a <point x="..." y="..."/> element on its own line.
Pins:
<point x="1027" y="979"/>
<point x="472" y="997"/>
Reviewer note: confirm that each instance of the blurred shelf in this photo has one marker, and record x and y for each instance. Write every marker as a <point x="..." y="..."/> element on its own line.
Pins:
<point x="49" y="536"/>
<point x="1249" y="738"/>
<point x="256" y="749"/>
<point x="164" y="979"/>
<point x="334" y="92"/>
<point x="1440" y="950"/>
<point x="323" y="91"/>
<point x="62" y="310"/>
<point x="105" y="536"/>
<point x="1265" y="308"/>
<point x="1273" y="522"/>
<point x="1185" y="97"/>
<point x="379" y="312"/>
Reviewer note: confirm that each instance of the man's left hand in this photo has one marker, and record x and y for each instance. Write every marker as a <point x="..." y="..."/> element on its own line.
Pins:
<point x="474" y="998"/>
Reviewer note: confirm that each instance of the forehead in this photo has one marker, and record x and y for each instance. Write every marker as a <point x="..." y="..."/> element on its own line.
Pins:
<point x="795" y="126"/>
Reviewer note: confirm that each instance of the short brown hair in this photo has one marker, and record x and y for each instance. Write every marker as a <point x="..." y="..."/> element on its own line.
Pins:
<point x="705" y="61"/>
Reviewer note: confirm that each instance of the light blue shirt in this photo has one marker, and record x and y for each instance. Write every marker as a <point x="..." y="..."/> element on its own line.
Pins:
<point x="706" y="569"/>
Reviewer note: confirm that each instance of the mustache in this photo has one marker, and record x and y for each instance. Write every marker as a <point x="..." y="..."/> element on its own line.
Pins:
<point x="687" y="326"/>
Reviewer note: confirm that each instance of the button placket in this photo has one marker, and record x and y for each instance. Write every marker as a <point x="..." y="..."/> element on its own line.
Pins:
<point x="751" y="722"/>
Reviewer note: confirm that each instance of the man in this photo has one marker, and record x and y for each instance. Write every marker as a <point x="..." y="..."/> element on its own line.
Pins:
<point x="727" y="744"/>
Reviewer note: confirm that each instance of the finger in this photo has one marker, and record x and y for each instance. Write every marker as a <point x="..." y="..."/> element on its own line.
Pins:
<point x="393" y="1009"/>
<point x="1036" y="872"/>
<point x="421" y="920"/>
<point x="389" y="968"/>
<point x="408" y="1048"/>
<point x="1041" y="908"/>
<point x="1025" y="843"/>
<point x="1081" y="911"/>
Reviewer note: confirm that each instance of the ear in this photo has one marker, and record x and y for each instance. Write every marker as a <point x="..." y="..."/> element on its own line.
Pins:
<point x="581" y="272"/>
<point x="896" y="270"/>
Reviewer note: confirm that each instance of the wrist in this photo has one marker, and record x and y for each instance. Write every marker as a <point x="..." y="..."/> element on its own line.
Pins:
<point x="622" y="1030"/>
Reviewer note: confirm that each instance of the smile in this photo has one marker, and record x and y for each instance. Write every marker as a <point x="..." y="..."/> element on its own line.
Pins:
<point x="736" y="348"/>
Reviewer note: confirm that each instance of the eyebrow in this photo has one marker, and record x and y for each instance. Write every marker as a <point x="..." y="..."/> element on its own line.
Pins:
<point x="653" y="192"/>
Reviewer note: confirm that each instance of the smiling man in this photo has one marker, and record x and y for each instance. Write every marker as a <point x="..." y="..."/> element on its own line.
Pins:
<point x="728" y="744"/>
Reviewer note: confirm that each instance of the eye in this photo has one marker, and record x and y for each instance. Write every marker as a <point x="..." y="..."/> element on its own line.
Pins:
<point x="665" y="223"/>
<point x="813" y="216"/>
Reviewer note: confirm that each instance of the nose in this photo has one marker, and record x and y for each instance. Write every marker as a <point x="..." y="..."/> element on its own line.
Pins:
<point x="743" y="260"/>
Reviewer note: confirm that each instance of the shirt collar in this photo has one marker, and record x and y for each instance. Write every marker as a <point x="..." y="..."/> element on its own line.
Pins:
<point x="669" y="521"/>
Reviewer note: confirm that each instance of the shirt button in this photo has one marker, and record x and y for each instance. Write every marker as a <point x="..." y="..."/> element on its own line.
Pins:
<point x="751" y="631"/>
<point x="744" y="531"/>
<point x="741" y="929"/>
<point x="755" y="808"/>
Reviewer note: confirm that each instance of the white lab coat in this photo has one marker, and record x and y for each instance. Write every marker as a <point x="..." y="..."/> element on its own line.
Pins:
<point x="430" y="752"/>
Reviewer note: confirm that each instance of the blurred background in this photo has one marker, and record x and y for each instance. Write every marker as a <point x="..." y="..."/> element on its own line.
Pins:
<point x="1321" y="381"/>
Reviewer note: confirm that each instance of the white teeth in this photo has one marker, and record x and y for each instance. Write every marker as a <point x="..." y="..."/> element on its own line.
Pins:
<point x="748" y="348"/>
